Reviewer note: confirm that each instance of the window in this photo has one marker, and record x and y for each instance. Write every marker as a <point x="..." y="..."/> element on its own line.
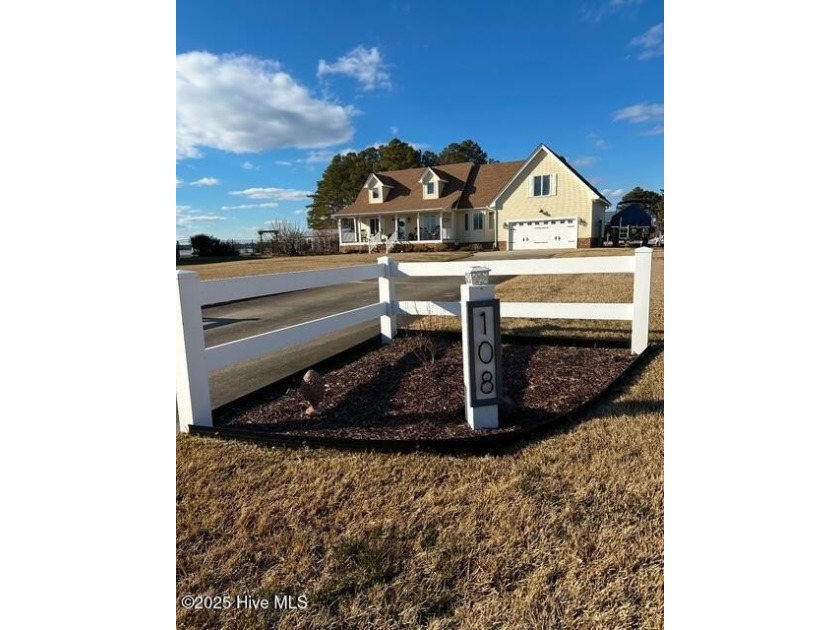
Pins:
<point x="430" y="188"/>
<point x="374" y="193"/>
<point x="478" y="220"/>
<point x="374" y="226"/>
<point x="429" y="227"/>
<point x="542" y="185"/>
<point x="466" y="222"/>
<point x="491" y="223"/>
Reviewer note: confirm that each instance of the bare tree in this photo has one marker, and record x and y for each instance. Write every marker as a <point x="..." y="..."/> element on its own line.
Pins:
<point x="289" y="238"/>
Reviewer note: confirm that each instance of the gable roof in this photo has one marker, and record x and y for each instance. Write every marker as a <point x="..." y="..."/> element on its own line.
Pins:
<point x="407" y="195"/>
<point x="486" y="181"/>
<point x="536" y="152"/>
<point x="374" y="176"/>
<point x="466" y="186"/>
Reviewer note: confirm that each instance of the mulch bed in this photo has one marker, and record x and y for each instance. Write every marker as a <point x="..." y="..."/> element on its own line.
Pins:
<point x="397" y="393"/>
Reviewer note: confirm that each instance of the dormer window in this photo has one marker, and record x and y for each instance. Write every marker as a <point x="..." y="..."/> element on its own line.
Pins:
<point x="377" y="189"/>
<point x="431" y="184"/>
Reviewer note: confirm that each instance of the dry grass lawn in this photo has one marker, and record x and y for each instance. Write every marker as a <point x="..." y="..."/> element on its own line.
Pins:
<point x="565" y="533"/>
<point x="259" y="266"/>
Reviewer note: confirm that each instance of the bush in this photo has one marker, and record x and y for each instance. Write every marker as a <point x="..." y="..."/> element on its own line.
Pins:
<point x="206" y="245"/>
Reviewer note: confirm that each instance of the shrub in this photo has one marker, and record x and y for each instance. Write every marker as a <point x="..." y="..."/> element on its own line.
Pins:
<point x="206" y="245"/>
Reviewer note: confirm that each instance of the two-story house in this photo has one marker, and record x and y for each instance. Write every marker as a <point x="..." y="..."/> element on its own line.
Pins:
<point x="538" y="203"/>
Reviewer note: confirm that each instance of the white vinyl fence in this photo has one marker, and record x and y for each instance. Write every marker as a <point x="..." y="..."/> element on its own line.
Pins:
<point x="194" y="362"/>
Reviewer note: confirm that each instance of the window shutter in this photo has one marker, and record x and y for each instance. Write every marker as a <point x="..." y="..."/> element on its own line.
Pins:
<point x="531" y="186"/>
<point x="554" y="184"/>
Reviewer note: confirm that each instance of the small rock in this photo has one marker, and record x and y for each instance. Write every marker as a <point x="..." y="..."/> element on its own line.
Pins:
<point x="312" y="389"/>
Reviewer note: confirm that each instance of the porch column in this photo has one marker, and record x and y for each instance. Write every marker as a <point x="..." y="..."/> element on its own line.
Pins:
<point x="440" y="227"/>
<point x="381" y="225"/>
<point x="418" y="227"/>
<point x="356" y="225"/>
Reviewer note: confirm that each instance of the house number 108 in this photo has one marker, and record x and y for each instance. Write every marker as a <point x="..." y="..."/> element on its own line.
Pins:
<point x="484" y="340"/>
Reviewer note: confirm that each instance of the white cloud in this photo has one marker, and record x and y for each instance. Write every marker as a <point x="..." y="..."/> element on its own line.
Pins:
<point x="613" y="194"/>
<point x="277" y="194"/>
<point x="178" y="182"/>
<point x="243" y="104"/>
<point x="640" y="113"/>
<point x="363" y="64"/>
<point x="185" y="216"/>
<point x="206" y="181"/>
<point x="246" y="206"/>
<point x="299" y="211"/>
<point x="584" y="161"/>
<point x="652" y="42"/>
<point x="597" y="12"/>
<point x="323" y="156"/>
<point x="283" y="163"/>
<point x="395" y="130"/>
<point x="598" y="141"/>
<point x="247" y="166"/>
<point x="654" y="131"/>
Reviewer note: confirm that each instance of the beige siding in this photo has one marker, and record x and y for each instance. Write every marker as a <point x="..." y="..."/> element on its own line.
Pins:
<point x="573" y="198"/>
<point x="472" y="235"/>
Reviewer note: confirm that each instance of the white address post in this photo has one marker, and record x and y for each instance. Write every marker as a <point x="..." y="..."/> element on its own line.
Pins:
<point x="481" y="340"/>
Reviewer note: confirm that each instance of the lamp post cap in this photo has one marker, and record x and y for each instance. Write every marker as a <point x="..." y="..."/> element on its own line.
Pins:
<point x="477" y="275"/>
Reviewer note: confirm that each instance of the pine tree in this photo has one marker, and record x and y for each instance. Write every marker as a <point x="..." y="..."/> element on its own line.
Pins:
<point x="466" y="151"/>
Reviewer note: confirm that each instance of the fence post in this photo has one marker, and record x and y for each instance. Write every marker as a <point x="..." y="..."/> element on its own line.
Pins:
<point x="192" y="384"/>
<point x="641" y="300"/>
<point x="388" y="295"/>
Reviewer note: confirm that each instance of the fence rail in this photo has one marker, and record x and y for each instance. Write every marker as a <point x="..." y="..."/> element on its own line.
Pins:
<point x="226" y="354"/>
<point x="194" y="362"/>
<point x="537" y="310"/>
<point x="231" y="289"/>
<point x="550" y="266"/>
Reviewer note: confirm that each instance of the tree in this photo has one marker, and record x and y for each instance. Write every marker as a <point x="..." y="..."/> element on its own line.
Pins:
<point x="397" y="155"/>
<point x="429" y="158"/>
<point x="288" y="238"/>
<point x="640" y="194"/>
<point x="466" y="151"/>
<point x="207" y="245"/>
<point x="339" y="186"/>
<point x="659" y="212"/>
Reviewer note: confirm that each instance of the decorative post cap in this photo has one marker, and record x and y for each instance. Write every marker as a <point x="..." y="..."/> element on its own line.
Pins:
<point x="477" y="275"/>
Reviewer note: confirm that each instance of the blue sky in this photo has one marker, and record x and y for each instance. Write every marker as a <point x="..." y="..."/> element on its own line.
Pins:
<point x="267" y="92"/>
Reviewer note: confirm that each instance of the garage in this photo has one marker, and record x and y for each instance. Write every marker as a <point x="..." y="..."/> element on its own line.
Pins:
<point x="542" y="234"/>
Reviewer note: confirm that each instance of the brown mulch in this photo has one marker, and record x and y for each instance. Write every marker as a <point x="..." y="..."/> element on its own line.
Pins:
<point x="397" y="392"/>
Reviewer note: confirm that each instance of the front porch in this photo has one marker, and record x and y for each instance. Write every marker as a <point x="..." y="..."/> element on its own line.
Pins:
<point x="389" y="229"/>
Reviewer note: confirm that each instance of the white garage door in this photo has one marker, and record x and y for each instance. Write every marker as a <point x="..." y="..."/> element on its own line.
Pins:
<point x="542" y="234"/>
